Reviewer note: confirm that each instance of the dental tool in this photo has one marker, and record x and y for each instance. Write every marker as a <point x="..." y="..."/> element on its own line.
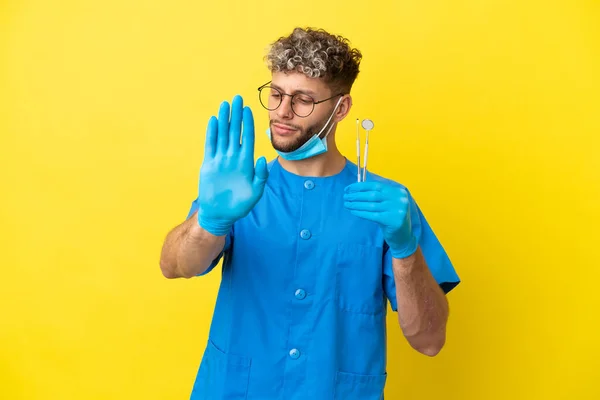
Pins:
<point x="357" y="152"/>
<point x="367" y="125"/>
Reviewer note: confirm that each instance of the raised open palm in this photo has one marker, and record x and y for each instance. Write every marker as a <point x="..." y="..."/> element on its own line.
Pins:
<point x="230" y="184"/>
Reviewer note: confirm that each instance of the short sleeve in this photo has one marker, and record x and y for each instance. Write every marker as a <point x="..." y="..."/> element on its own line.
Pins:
<point x="228" y="239"/>
<point x="435" y="256"/>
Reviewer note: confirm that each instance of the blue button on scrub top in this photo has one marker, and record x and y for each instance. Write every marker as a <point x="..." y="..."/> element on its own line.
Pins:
<point x="305" y="234"/>
<point x="300" y="294"/>
<point x="294" y="353"/>
<point x="309" y="184"/>
<point x="299" y="238"/>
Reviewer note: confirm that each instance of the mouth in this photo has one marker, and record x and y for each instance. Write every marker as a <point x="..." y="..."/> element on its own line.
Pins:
<point x="283" y="130"/>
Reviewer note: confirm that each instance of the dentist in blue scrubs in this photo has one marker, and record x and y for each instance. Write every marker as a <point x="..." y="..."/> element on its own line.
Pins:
<point x="311" y="257"/>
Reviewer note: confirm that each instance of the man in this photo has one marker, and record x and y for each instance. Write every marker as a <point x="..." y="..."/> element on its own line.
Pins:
<point x="310" y="255"/>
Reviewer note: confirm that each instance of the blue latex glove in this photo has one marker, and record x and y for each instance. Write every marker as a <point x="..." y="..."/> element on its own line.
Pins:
<point x="229" y="186"/>
<point x="389" y="207"/>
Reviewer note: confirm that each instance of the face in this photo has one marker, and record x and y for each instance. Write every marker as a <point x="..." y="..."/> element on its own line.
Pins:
<point x="289" y="131"/>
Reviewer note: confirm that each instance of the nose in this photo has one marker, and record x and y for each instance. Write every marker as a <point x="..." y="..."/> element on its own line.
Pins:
<point x="285" y="108"/>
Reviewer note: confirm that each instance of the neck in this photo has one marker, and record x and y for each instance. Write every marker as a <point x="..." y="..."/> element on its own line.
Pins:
<point x="326" y="164"/>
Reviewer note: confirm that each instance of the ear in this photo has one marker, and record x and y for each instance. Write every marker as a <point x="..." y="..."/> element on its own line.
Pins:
<point x="344" y="108"/>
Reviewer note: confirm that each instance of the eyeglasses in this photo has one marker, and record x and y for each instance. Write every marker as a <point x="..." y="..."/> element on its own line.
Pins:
<point x="302" y="104"/>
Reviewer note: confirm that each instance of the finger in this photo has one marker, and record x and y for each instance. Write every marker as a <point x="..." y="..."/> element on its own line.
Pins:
<point x="235" y="127"/>
<point x="210" y="142"/>
<point x="368" y="215"/>
<point x="363" y="206"/>
<point x="248" y="134"/>
<point x="362" y="187"/>
<point x="261" y="173"/>
<point x="372" y="196"/>
<point x="223" y="135"/>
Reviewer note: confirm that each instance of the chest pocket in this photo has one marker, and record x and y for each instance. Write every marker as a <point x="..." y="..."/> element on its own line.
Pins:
<point x="359" y="283"/>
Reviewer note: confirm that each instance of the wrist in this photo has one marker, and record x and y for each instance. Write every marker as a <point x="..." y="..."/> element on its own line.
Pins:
<point x="215" y="227"/>
<point x="405" y="249"/>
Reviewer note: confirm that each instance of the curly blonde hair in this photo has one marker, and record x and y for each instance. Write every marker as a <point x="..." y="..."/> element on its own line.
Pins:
<point x="317" y="54"/>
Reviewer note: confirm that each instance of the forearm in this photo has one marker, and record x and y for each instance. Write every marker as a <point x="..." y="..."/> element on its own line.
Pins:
<point x="422" y="305"/>
<point x="188" y="250"/>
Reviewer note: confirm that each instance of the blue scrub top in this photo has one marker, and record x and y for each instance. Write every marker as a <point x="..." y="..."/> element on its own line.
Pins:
<point x="301" y="309"/>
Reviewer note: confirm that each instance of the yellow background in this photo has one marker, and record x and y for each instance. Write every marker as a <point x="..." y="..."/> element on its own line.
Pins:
<point x="487" y="110"/>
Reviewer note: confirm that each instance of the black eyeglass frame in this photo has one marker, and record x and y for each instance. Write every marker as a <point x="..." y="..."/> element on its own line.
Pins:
<point x="260" y="88"/>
